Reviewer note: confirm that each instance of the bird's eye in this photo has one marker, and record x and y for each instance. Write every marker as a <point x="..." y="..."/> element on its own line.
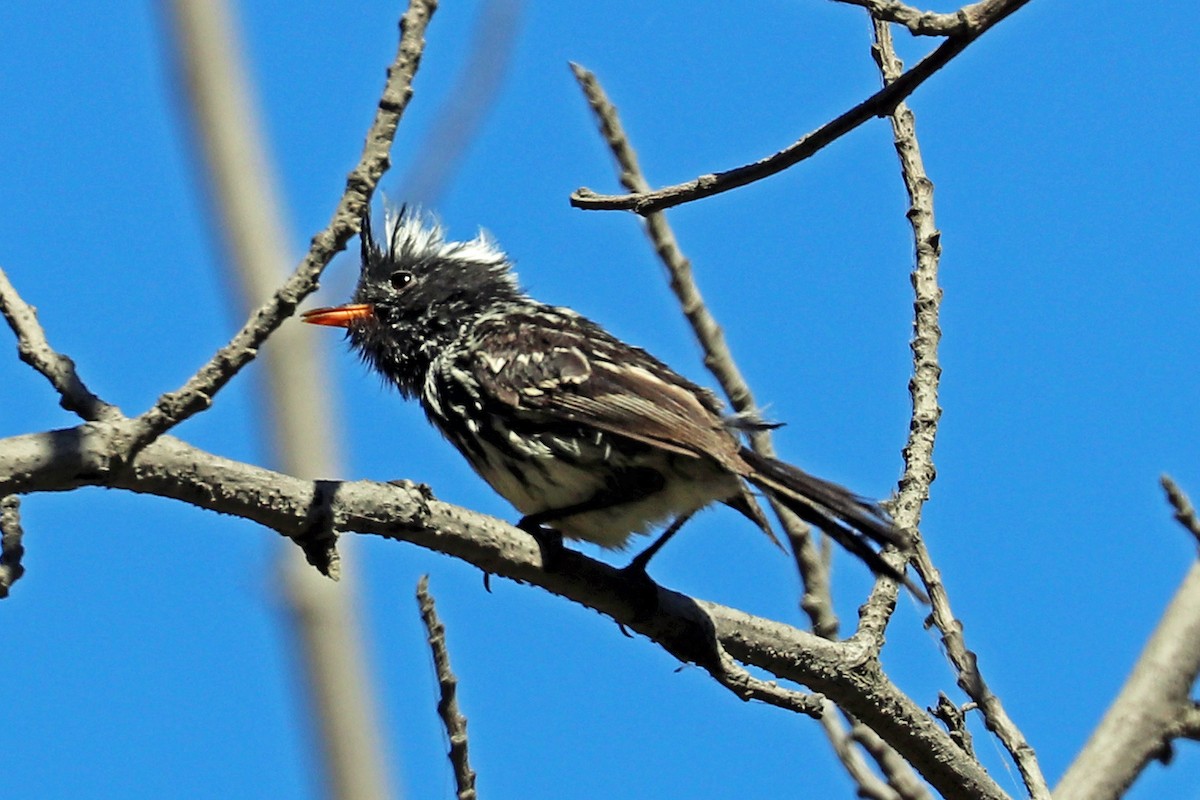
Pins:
<point x="400" y="278"/>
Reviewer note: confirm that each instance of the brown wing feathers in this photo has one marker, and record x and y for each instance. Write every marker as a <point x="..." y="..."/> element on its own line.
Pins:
<point x="628" y="392"/>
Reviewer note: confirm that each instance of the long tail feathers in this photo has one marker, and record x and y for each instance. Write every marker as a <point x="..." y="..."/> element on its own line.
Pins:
<point x="855" y="523"/>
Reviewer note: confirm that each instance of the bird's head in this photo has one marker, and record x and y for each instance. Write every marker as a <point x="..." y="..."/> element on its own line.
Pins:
<point x="416" y="293"/>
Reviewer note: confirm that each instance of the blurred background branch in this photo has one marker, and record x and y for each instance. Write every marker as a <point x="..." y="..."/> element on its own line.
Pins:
<point x="297" y="410"/>
<point x="465" y="107"/>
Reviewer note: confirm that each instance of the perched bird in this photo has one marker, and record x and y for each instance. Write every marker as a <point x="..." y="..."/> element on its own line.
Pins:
<point x="587" y="436"/>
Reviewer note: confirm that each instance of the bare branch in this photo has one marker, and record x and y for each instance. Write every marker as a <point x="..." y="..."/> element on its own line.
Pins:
<point x="337" y="687"/>
<point x="931" y="23"/>
<point x="197" y="393"/>
<point x="718" y="358"/>
<point x="1152" y="707"/>
<point x="493" y="41"/>
<point x="35" y="350"/>
<point x="900" y="776"/>
<point x="454" y="722"/>
<point x="1185" y="513"/>
<point x="843" y="671"/>
<point x="919" y="470"/>
<point x="845" y="747"/>
<point x="881" y="103"/>
<point x="738" y="680"/>
<point x="11" y="547"/>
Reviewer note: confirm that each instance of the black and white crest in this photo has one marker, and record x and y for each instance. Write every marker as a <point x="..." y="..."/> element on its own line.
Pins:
<point x="424" y="291"/>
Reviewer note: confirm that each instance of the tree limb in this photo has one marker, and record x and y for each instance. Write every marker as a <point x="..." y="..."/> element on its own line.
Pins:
<point x="879" y="104"/>
<point x="843" y="671"/>
<point x="34" y="349"/>
<point x="1188" y="724"/>
<point x="1153" y="707"/>
<point x="338" y="691"/>
<point x="846" y="748"/>
<point x="900" y="776"/>
<point x="1185" y="512"/>
<point x="966" y="20"/>
<point x="919" y="471"/>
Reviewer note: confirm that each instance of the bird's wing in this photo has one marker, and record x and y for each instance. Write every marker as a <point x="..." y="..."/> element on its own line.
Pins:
<point x="553" y="366"/>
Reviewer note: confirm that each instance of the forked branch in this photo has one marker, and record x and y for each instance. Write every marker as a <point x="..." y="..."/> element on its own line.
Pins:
<point x="879" y="104"/>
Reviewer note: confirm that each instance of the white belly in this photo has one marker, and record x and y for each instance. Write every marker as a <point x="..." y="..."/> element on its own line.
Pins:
<point x="545" y="481"/>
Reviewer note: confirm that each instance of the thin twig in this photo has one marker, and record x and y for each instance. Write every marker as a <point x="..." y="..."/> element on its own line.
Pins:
<point x="1185" y="513"/>
<point x="879" y="104"/>
<point x="955" y="720"/>
<point x="870" y="785"/>
<point x="35" y="350"/>
<point x="923" y="387"/>
<point x="918" y="452"/>
<point x="197" y="393"/>
<point x="734" y="677"/>
<point x="11" y="547"/>
<point x="453" y="720"/>
<point x="718" y="358"/>
<point x="900" y="776"/>
<point x="919" y="471"/>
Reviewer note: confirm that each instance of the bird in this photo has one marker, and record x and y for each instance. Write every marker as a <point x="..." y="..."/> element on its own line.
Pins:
<point x="588" y="437"/>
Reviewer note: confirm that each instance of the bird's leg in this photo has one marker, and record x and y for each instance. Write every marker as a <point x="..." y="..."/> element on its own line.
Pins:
<point x="625" y="486"/>
<point x="549" y="541"/>
<point x="641" y="585"/>
<point x="639" y="562"/>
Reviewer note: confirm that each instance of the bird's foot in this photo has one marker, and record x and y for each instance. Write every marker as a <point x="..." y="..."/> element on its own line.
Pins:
<point x="643" y="591"/>
<point x="550" y="543"/>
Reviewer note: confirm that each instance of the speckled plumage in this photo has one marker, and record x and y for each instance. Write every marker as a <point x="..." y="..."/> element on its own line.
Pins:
<point x="555" y="413"/>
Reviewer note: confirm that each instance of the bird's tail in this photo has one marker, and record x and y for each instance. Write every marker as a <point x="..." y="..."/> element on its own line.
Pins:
<point x="855" y="523"/>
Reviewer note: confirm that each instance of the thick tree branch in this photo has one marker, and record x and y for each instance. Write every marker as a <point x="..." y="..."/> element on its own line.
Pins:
<point x="1188" y="724"/>
<point x="130" y="435"/>
<point x="1153" y="706"/>
<point x="843" y="671"/>
<point x="879" y="104"/>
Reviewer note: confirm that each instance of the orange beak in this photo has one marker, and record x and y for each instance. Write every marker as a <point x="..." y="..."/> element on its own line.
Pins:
<point x="339" y="316"/>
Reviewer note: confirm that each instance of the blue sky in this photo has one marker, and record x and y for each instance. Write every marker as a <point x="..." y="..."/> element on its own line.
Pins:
<point x="145" y="653"/>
